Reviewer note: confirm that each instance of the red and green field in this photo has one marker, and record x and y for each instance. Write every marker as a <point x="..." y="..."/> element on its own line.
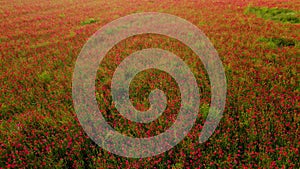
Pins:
<point x="257" y="41"/>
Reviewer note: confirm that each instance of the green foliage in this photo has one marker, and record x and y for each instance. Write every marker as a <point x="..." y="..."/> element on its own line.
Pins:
<point x="88" y="21"/>
<point x="204" y="109"/>
<point x="3" y="110"/>
<point x="278" y="42"/>
<point x="45" y="77"/>
<point x="62" y="15"/>
<point x="202" y="23"/>
<point x="178" y="166"/>
<point x="276" y="14"/>
<point x="43" y="44"/>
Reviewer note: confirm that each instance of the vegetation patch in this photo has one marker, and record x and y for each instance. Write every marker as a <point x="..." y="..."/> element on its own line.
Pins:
<point x="62" y="15"/>
<point x="278" y="42"/>
<point x="45" y="77"/>
<point x="43" y="44"/>
<point x="2" y="39"/>
<point x="275" y="14"/>
<point x="88" y="21"/>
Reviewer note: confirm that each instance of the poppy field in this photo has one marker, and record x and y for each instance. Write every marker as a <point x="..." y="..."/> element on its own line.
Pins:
<point x="257" y="41"/>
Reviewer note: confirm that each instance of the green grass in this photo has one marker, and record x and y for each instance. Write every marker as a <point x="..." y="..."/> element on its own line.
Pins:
<point x="278" y="42"/>
<point x="88" y="21"/>
<point x="275" y="14"/>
